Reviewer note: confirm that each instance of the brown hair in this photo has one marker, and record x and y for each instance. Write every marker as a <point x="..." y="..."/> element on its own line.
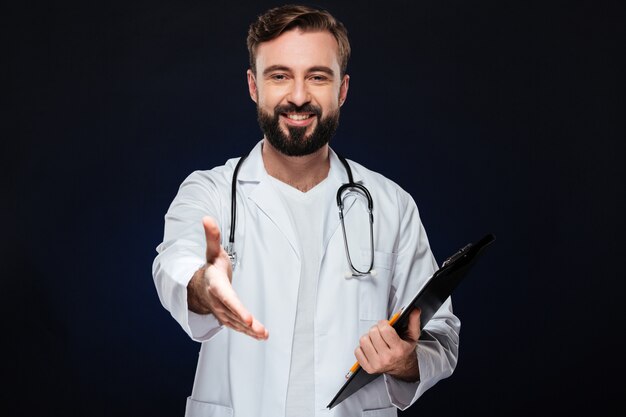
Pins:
<point x="278" y="20"/>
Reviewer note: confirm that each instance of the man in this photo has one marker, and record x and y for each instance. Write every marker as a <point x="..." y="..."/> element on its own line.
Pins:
<point x="280" y="331"/>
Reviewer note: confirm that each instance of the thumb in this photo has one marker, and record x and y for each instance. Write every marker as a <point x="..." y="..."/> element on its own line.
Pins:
<point x="212" y="233"/>
<point x="413" y="331"/>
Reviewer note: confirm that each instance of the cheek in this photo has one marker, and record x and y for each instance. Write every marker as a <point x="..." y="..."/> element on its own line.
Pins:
<point x="330" y="105"/>
<point x="331" y="98"/>
<point x="268" y="99"/>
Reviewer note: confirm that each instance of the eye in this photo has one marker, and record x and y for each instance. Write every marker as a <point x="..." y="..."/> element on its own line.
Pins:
<point x="318" y="78"/>
<point x="278" y="77"/>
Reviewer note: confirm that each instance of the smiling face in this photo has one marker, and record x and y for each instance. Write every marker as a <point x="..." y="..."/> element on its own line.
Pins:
<point x="298" y="89"/>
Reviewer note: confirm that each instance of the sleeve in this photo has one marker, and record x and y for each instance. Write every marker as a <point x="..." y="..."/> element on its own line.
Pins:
<point x="182" y="252"/>
<point x="437" y="349"/>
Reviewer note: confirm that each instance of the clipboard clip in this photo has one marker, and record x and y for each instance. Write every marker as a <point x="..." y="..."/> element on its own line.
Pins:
<point x="457" y="255"/>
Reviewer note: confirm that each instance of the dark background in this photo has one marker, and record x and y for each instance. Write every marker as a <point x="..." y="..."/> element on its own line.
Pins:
<point x="503" y="117"/>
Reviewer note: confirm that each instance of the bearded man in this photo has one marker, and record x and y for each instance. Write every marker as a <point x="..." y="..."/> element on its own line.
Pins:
<point x="283" y="294"/>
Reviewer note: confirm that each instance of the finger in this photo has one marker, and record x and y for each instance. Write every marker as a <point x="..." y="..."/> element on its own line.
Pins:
<point x="236" y="307"/>
<point x="413" y="331"/>
<point x="380" y="345"/>
<point x="224" y="294"/>
<point x="212" y="234"/>
<point x="235" y="325"/>
<point x="226" y="317"/>
<point x="241" y="329"/>
<point x="224" y="314"/>
<point x="368" y="349"/>
<point x="389" y="334"/>
<point x="362" y="359"/>
<point x="258" y="333"/>
<point x="259" y="329"/>
<point x="256" y="329"/>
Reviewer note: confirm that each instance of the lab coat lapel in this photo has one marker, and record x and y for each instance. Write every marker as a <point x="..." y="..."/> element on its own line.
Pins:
<point x="269" y="202"/>
<point x="258" y="188"/>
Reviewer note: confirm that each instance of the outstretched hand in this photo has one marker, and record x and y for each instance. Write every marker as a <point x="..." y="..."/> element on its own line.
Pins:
<point x="210" y="290"/>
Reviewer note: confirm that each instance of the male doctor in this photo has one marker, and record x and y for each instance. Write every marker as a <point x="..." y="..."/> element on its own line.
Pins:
<point x="281" y="325"/>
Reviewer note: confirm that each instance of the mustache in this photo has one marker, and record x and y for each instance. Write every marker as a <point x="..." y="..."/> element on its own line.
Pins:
<point x="292" y="108"/>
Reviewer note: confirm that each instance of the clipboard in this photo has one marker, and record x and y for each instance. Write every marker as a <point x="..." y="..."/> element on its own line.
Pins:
<point x="429" y="299"/>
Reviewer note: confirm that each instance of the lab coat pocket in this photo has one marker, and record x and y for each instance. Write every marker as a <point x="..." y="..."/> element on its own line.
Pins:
<point x="374" y="288"/>
<point x="202" y="409"/>
<point x="381" y="412"/>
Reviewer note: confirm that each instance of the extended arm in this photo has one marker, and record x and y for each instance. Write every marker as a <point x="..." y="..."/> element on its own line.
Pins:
<point x="191" y="271"/>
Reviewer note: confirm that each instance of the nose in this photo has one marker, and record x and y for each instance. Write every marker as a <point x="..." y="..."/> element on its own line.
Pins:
<point x="299" y="94"/>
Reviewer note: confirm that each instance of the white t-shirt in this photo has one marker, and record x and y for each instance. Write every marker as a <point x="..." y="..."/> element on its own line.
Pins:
<point x="307" y="212"/>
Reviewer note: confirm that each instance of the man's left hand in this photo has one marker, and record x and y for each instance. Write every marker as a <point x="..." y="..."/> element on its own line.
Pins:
<point x="381" y="350"/>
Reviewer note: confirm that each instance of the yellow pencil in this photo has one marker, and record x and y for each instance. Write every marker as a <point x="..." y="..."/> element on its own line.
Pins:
<point x="356" y="364"/>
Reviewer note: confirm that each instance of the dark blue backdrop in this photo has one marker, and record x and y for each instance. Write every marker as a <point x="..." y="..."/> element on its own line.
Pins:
<point x="503" y="117"/>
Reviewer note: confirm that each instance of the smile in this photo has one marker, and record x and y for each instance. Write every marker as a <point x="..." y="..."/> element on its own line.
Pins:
<point x="298" y="119"/>
<point x="299" y="116"/>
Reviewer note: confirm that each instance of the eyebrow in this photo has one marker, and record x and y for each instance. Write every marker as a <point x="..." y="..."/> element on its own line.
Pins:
<point x="318" y="68"/>
<point x="323" y="69"/>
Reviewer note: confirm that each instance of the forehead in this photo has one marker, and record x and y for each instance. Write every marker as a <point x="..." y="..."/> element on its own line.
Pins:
<point x="296" y="49"/>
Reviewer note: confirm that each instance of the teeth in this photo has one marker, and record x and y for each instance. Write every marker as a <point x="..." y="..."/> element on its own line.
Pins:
<point x="298" y="116"/>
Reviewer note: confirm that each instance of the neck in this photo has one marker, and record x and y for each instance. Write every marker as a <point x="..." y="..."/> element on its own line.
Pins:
<point x="301" y="172"/>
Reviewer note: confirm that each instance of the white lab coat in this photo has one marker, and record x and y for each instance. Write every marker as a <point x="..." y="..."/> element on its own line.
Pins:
<point x="242" y="377"/>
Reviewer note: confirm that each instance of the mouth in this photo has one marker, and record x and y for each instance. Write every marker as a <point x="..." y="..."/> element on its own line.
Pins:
<point x="298" y="119"/>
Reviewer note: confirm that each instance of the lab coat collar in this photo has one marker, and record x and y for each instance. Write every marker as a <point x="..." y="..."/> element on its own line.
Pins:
<point x="253" y="169"/>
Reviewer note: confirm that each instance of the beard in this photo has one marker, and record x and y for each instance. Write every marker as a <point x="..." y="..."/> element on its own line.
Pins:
<point x="296" y="142"/>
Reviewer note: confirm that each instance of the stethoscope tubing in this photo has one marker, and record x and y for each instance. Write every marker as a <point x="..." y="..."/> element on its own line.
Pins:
<point x="350" y="185"/>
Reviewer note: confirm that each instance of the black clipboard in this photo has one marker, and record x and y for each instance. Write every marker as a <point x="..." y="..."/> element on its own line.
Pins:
<point x="429" y="299"/>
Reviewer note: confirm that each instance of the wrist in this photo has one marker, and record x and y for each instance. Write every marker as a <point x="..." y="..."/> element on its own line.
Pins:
<point x="409" y="370"/>
<point x="196" y="290"/>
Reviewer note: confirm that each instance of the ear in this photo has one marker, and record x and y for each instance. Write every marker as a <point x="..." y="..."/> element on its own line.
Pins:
<point x="343" y="89"/>
<point x="252" y="87"/>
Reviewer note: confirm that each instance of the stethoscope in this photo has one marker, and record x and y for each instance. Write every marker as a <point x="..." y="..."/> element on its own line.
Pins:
<point x="350" y="188"/>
